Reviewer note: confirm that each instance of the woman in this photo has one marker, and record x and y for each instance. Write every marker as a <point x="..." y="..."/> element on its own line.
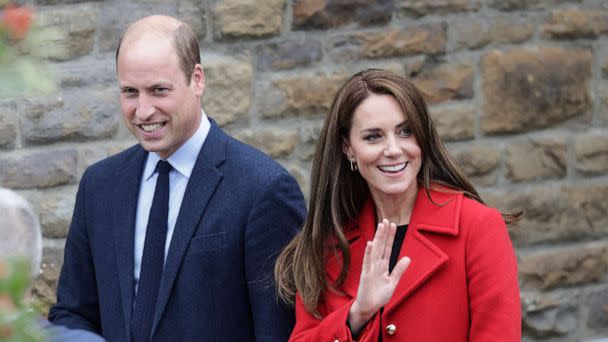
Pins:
<point x="398" y="245"/>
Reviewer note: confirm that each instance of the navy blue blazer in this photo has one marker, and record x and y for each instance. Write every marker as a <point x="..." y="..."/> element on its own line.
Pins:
<point x="239" y="209"/>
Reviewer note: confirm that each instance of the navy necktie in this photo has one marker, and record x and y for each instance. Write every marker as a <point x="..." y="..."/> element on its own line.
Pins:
<point x="153" y="257"/>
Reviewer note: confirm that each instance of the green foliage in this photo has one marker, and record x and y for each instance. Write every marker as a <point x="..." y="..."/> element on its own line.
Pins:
<point x="18" y="321"/>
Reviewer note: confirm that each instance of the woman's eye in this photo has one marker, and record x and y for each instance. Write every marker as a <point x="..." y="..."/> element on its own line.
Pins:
<point x="372" y="137"/>
<point x="405" y="131"/>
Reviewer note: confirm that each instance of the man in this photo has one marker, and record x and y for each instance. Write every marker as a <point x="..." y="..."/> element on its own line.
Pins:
<point x="21" y="238"/>
<point x="230" y="209"/>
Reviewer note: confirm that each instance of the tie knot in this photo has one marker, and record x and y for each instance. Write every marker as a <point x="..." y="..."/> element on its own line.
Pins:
<point x="163" y="167"/>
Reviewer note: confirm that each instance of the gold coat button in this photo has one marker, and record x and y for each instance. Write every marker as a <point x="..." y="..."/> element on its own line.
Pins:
<point x="391" y="329"/>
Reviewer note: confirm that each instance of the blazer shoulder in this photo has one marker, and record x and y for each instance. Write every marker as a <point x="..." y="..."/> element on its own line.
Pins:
<point x="108" y="166"/>
<point x="251" y="161"/>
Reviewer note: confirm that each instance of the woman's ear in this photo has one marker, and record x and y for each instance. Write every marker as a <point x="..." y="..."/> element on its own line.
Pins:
<point x="347" y="150"/>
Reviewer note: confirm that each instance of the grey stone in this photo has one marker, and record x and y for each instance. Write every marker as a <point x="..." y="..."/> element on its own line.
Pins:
<point x="38" y="169"/>
<point x="65" y="37"/>
<point x="288" y="54"/>
<point x="75" y="115"/>
<point x="227" y="88"/>
<point x="525" y="89"/>
<point x="313" y="14"/>
<point x="8" y="126"/>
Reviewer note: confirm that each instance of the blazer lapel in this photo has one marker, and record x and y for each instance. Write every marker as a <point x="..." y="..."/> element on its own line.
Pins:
<point x="123" y="223"/>
<point x="202" y="184"/>
<point x="427" y="258"/>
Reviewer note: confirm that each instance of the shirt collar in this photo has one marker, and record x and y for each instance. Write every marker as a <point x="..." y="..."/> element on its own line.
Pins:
<point x="184" y="158"/>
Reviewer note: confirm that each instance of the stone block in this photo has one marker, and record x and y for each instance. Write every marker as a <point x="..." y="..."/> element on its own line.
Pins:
<point x="227" y="88"/>
<point x="88" y="73"/>
<point x="193" y="13"/>
<point x="525" y="89"/>
<point x="38" y="169"/>
<point x="479" y="163"/>
<point x="536" y="159"/>
<point x="327" y="14"/>
<point x="117" y="15"/>
<point x="598" y="311"/>
<point x="247" y="18"/>
<point x="74" y="115"/>
<point x="564" y="266"/>
<point x="61" y="2"/>
<point x="288" y="54"/>
<point x="549" y="317"/>
<point x="44" y="288"/>
<point x="446" y="82"/>
<point x="470" y="33"/>
<point x="54" y="208"/>
<point x="69" y="31"/>
<point x="603" y="98"/>
<point x="591" y="153"/>
<point x="93" y="153"/>
<point x="308" y="140"/>
<point x="454" y="122"/>
<point x="575" y="23"/>
<point x="299" y="96"/>
<point x="514" y="5"/>
<point x="555" y="214"/>
<point x="419" y="8"/>
<point x="277" y="143"/>
<point x="427" y="39"/>
<point x="8" y="126"/>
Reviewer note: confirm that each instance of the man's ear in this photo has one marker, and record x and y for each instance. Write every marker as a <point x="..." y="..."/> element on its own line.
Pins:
<point x="198" y="80"/>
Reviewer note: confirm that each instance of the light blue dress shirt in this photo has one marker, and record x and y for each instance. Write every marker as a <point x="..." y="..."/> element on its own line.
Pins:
<point x="182" y="161"/>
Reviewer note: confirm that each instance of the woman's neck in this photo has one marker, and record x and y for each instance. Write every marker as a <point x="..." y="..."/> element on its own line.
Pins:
<point x="395" y="208"/>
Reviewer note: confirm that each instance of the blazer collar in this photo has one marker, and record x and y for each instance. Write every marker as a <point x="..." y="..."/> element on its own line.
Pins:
<point x="126" y="187"/>
<point x="202" y="184"/>
<point x="437" y="216"/>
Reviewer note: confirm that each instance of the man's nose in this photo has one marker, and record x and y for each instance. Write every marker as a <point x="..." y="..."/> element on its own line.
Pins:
<point x="145" y="108"/>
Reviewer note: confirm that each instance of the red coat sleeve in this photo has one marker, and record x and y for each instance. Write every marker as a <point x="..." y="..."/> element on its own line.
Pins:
<point x="493" y="289"/>
<point x="332" y="327"/>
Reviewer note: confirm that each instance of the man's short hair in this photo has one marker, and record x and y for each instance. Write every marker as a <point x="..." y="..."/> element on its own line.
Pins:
<point x="185" y="42"/>
<point x="20" y="230"/>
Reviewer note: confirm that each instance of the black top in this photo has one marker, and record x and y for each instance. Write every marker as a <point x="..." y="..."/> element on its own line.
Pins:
<point x="399" y="237"/>
<point x="396" y="249"/>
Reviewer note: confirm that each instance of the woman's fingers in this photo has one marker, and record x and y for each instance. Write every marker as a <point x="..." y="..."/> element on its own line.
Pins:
<point x="390" y="238"/>
<point x="367" y="258"/>
<point x="399" y="269"/>
<point x="379" y="241"/>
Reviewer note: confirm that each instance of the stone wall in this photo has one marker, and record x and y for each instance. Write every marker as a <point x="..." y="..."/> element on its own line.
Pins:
<point x="518" y="89"/>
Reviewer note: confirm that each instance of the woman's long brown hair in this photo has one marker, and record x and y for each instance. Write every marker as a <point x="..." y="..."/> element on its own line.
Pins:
<point x="337" y="194"/>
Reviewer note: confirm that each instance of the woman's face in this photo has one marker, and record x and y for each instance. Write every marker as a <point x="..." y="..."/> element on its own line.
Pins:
<point x="382" y="144"/>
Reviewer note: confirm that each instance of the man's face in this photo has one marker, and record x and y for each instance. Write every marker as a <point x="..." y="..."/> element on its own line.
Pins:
<point x="160" y="108"/>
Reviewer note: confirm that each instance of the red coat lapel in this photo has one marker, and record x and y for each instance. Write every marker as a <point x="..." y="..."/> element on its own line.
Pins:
<point x="427" y="258"/>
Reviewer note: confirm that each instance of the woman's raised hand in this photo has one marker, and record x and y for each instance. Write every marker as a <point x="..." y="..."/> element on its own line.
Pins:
<point x="376" y="285"/>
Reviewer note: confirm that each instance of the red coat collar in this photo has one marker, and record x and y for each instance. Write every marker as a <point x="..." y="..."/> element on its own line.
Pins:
<point x="441" y="217"/>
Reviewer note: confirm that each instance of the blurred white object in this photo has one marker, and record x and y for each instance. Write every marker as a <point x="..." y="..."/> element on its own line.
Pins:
<point x="20" y="230"/>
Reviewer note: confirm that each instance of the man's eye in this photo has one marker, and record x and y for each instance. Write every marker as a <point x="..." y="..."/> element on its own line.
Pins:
<point x="129" y="91"/>
<point x="161" y="90"/>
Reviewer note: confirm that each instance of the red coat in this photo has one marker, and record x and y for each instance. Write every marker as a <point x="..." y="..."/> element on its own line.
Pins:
<point x="461" y="284"/>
